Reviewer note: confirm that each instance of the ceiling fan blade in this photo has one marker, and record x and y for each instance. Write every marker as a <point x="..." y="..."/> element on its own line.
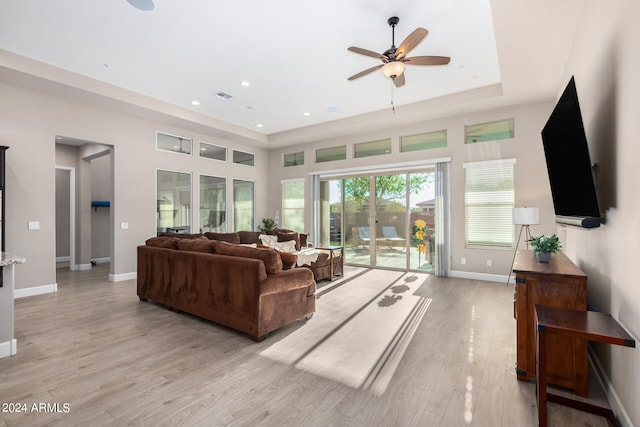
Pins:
<point x="367" y="52"/>
<point x="410" y="42"/>
<point x="427" y="60"/>
<point x="365" y="72"/>
<point x="399" y="81"/>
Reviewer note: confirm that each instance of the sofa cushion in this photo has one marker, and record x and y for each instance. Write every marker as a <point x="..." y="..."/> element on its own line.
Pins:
<point x="163" y="242"/>
<point x="270" y="258"/>
<point x="197" y="245"/>
<point x="225" y="237"/>
<point x="249" y="236"/>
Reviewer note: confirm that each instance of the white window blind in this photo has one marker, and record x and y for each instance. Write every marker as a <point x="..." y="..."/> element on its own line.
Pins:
<point x="293" y="205"/>
<point x="489" y="200"/>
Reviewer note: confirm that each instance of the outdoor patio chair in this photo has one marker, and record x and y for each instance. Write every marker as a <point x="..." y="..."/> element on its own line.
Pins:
<point x="391" y="236"/>
<point x="364" y="236"/>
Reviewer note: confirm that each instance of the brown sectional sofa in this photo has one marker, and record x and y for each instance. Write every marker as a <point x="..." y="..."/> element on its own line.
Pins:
<point x="240" y="287"/>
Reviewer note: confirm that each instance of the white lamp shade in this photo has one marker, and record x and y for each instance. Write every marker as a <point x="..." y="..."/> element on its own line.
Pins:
<point x="526" y="216"/>
<point x="393" y="69"/>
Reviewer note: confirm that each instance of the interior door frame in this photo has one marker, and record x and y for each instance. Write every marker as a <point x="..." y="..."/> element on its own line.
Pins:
<point x="72" y="215"/>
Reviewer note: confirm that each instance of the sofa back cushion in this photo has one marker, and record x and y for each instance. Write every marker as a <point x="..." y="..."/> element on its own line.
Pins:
<point x="249" y="237"/>
<point x="270" y="258"/>
<point x="225" y="237"/>
<point x="163" y="242"/>
<point x="197" y="245"/>
<point x="181" y="235"/>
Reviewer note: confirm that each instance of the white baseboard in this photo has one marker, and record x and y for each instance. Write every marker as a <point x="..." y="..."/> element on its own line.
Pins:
<point x="63" y="259"/>
<point x="479" y="276"/>
<point x="102" y="260"/>
<point x="83" y="267"/>
<point x="123" y="276"/>
<point x="8" y="348"/>
<point x="612" y="397"/>
<point x="35" y="290"/>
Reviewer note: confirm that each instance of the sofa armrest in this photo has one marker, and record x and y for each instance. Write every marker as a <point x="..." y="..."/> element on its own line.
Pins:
<point x="287" y="280"/>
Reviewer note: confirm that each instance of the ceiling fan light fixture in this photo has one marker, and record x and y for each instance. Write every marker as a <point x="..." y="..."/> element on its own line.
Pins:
<point x="393" y="69"/>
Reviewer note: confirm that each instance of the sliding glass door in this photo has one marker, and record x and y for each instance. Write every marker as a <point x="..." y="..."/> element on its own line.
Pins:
<point x="381" y="220"/>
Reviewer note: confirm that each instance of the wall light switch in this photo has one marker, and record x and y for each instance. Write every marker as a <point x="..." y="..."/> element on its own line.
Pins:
<point x="34" y="225"/>
<point x="124" y="225"/>
<point x="489" y="263"/>
<point x="463" y="260"/>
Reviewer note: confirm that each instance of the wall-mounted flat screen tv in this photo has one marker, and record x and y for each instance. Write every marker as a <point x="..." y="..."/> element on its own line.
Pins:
<point x="569" y="164"/>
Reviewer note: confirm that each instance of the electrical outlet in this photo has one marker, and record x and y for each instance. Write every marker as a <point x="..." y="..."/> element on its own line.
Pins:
<point x="34" y="225"/>
<point x="124" y="226"/>
<point x="463" y="260"/>
<point x="488" y="263"/>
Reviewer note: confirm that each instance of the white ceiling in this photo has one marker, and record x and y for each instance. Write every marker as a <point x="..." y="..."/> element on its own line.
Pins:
<point x="294" y="55"/>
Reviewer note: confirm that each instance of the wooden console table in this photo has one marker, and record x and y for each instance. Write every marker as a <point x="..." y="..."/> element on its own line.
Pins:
<point x="582" y="325"/>
<point x="558" y="283"/>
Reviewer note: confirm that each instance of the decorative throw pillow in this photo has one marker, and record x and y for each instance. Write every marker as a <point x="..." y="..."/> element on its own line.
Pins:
<point x="288" y="247"/>
<point x="197" y="245"/>
<point x="288" y="260"/>
<point x="285" y="236"/>
<point x="268" y="240"/>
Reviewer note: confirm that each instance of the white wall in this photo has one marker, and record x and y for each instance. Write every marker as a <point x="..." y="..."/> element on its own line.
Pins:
<point x="605" y="61"/>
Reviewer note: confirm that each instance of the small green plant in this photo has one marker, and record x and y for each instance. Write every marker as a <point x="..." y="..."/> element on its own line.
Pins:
<point x="545" y="244"/>
<point x="268" y="224"/>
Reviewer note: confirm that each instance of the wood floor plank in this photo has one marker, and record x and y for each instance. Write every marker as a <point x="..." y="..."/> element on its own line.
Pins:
<point x="117" y="361"/>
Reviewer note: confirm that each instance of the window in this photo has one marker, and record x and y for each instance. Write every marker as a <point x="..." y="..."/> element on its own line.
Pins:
<point x="423" y="141"/>
<point x="175" y="144"/>
<point x="373" y="148"/>
<point x="212" y="151"/>
<point x="489" y="200"/>
<point x="293" y="205"/>
<point x="243" y="205"/>
<point x="243" y="158"/>
<point x="173" y="201"/>
<point x="330" y="154"/>
<point x="491" y="131"/>
<point x="294" y="159"/>
<point x="213" y="204"/>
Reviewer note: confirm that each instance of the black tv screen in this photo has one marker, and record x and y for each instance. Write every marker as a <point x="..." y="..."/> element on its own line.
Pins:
<point x="568" y="162"/>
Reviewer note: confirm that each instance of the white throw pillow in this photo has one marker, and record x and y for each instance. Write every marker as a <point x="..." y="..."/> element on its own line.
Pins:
<point x="268" y="240"/>
<point x="288" y="246"/>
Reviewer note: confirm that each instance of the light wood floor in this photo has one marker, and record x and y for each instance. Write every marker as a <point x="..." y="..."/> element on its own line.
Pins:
<point x="117" y="361"/>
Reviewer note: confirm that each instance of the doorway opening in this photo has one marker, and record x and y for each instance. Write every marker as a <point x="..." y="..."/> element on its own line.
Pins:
<point x="83" y="215"/>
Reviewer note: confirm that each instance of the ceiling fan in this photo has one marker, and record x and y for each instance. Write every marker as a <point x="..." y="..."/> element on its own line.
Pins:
<point x="394" y="59"/>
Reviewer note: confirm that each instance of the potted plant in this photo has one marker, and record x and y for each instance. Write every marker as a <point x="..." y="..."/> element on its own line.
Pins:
<point x="268" y="224"/>
<point x="544" y="246"/>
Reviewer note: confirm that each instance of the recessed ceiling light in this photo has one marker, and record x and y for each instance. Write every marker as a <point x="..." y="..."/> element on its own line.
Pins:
<point x="195" y="102"/>
<point x="306" y="113"/>
<point x="245" y="83"/>
<point x="259" y="125"/>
